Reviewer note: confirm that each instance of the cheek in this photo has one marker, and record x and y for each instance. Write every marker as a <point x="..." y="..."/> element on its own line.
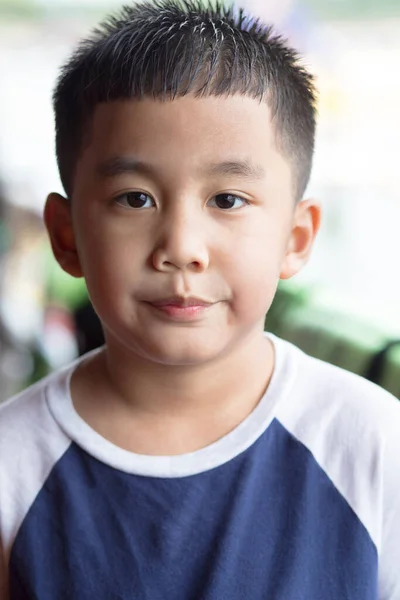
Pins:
<point x="109" y="266"/>
<point x="254" y="278"/>
<point x="255" y="292"/>
<point x="104" y="248"/>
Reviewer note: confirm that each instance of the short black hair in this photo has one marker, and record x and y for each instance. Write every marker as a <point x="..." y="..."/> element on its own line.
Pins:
<point x="169" y="48"/>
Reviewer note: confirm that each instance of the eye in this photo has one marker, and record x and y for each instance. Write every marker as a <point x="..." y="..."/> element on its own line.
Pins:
<point x="135" y="200"/>
<point x="228" y="201"/>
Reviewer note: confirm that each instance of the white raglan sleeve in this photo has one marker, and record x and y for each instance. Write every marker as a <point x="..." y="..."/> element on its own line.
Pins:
<point x="31" y="443"/>
<point x="389" y="551"/>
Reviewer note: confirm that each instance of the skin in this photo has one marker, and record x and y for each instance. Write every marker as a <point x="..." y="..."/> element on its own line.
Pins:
<point x="163" y="386"/>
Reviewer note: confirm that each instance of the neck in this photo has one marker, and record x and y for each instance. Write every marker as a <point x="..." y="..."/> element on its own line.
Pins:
<point x="172" y="409"/>
<point x="151" y="388"/>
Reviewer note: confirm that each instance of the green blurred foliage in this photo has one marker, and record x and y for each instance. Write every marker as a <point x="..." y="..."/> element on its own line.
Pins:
<point x="22" y="9"/>
<point x="38" y="9"/>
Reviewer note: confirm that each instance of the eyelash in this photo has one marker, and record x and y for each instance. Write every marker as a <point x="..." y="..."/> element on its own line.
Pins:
<point x="119" y="199"/>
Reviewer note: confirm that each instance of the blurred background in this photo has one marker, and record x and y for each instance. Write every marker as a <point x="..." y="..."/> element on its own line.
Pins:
<point x="353" y="48"/>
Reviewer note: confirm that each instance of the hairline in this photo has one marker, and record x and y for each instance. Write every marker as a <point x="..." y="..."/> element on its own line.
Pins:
<point x="87" y="126"/>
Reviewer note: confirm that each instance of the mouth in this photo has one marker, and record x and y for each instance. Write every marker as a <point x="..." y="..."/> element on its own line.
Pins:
<point x="181" y="302"/>
<point x="182" y="309"/>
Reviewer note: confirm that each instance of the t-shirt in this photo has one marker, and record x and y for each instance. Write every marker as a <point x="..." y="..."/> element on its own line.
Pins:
<point x="301" y="501"/>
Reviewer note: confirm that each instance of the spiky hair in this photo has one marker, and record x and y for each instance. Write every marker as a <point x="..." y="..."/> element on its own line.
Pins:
<point x="169" y="48"/>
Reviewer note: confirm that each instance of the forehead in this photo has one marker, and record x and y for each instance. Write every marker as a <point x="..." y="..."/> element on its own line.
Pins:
<point x="184" y="134"/>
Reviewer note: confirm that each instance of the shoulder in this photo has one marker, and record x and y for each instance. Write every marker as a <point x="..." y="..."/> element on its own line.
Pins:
<point x="21" y="415"/>
<point x="330" y="394"/>
<point x="28" y="413"/>
<point x="28" y="430"/>
<point x="331" y="409"/>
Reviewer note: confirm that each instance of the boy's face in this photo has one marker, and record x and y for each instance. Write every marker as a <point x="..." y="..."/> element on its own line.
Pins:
<point x="187" y="198"/>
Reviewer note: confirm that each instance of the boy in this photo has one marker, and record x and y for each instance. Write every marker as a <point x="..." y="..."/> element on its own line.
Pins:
<point x="193" y="456"/>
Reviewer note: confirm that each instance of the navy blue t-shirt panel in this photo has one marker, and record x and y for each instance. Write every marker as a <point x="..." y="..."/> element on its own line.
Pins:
<point x="269" y="524"/>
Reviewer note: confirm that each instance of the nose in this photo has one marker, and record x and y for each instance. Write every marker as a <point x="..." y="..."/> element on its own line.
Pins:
<point x="181" y="244"/>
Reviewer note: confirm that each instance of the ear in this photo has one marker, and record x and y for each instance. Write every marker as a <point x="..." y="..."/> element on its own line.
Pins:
<point x="305" y="226"/>
<point x="58" y="220"/>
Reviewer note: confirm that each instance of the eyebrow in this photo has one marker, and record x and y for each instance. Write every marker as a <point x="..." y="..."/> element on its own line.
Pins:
<point x="243" y="168"/>
<point x="121" y="165"/>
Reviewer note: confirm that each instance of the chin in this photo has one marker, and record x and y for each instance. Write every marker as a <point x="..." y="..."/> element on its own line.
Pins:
<point x="180" y="349"/>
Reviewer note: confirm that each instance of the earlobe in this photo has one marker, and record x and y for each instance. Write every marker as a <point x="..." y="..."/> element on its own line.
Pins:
<point x="305" y="227"/>
<point x="58" y="221"/>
